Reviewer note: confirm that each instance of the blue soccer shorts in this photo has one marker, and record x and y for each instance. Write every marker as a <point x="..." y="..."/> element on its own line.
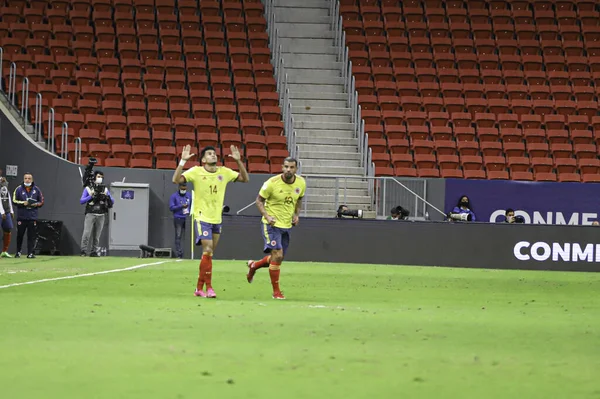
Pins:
<point x="205" y="231"/>
<point x="275" y="238"/>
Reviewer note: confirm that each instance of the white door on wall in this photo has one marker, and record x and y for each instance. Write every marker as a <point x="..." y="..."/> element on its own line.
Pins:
<point x="128" y="223"/>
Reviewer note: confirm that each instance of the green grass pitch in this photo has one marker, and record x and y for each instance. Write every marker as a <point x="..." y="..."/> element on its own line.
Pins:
<point x="345" y="331"/>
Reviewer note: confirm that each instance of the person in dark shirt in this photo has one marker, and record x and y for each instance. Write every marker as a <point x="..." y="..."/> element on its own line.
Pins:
<point x="180" y="204"/>
<point x="28" y="198"/>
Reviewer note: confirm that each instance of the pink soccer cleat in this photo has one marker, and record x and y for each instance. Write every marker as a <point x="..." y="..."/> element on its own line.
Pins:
<point x="200" y="293"/>
<point x="251" y="271"/>
<point x="210" y="293"/>
<point x="278" y="295"/>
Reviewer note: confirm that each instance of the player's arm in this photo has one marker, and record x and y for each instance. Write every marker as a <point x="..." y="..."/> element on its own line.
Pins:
<point x="185" y="156"/>
<point x="296" y="217"/>
<point x="260" y="204"/>
<point x="243" y="177"/>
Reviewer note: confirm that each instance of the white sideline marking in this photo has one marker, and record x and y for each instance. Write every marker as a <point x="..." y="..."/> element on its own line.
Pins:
<point x="84" y="275"/>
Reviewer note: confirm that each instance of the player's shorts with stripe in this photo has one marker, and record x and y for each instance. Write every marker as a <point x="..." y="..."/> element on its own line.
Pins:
<point x="205" y="231"/>
<point x="7" y="224"/>
<point x="275" y="238"/>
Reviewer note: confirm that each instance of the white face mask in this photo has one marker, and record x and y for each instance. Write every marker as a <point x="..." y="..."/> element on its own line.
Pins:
<point x="27" y="184"/>
<point x="98" y="180"/>
<point x="182" y="192"/>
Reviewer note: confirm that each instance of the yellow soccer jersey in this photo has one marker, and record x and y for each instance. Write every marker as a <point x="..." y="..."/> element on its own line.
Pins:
<point x="209" y="192"/>
<point x="281" y="199"/>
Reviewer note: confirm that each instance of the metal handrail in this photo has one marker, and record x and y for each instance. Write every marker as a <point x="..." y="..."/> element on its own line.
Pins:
<point x="25" y="98"/>
<point x="78" y="150"/>
<point x="38" y="118"/>
<point x="50" y="146"/>
<point x="63" y="141"/>
<point x="1" y="64"/>
<point x="12" y="83"/>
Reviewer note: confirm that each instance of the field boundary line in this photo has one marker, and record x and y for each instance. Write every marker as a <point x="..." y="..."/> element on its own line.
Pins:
<point x="45" y="280"/>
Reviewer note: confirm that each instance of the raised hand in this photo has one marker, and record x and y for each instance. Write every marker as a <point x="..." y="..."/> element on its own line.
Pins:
<point x="185" y="153"/>
<point x="235" y="153"/>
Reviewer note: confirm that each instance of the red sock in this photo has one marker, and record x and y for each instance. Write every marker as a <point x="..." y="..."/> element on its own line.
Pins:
<point x="207" y="270"/>
<point x="264" y="262"/>
<point x="274" y="274"/>
<point x="6" y="241"/>
<point x="205" y="265"/>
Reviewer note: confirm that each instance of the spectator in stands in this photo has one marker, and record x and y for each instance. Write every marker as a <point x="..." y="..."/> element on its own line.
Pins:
<point x="180" y="204"/>
<point x="595" y="223"/>
<point x="463" y="211"/>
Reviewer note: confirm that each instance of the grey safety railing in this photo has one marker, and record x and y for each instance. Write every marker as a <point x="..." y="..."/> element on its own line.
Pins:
<point x="25" y="98"/>
<point x="343" y="56"/>
<point x="12" y="83"/>
<point x="50" y="145"/>
<point x="77" y="159"/>
<point x="1" y="65"/>
<point x="39" y="123"/>
<point x="64" y="136"/>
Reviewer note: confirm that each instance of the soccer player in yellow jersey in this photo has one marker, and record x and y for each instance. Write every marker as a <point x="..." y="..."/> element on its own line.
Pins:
<point x="279" y="201"/>
<point x="210" y="182"/>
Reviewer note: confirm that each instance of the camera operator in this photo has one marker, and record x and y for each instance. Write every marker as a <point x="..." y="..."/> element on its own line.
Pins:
<point x="97" y="200"/>
<point x="398" y="213"/>
<point x="28" y="198"/>
<point x="509" y="216"/>
<point x="463" y="211"/>
<point x="344" y="212"/>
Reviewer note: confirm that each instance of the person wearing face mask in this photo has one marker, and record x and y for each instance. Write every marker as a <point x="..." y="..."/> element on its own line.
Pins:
<point x="180" y="204"/>
<point x="28" y="198"/>
<point x="97" y="200"/>
<point x="463" y="211"/>
<point x="7" y="214"/>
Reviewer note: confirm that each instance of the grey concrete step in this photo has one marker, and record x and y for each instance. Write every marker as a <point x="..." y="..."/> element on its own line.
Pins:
<point x="303" y="29"/>
<point x="326" y="148"/>
<point x="291" y="58"/>
<point x="322" y="111"/>
<point x="347" y="156"/>
<point x="298" y="117"/>
<point x="292" y="43"/>
<point x="309" y="63"/>
<point x="315" y="88"/>
<point x="315" y="80"/>
<point x="330" y="214"/>
<point x="342" y="193"/>
<point x="318" y="103"/>
<point x="323" y="125"/>
<point x="316" y="74"/>
<point x="327" y="141"/>
<point x="303" y="95"/>
<point x="335" y="170"/>
<point x="310" y="48"/>
<point x="329" y="163"/>
<point x="303" y="3"/>
<point x="303" y="15"/>
<point x="330" y="198"/>
<point x="313" y="133"/>
<point x="330" y="183"/>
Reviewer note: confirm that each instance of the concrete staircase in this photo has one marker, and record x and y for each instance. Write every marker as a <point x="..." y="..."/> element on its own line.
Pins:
<point x="322" y="116"/>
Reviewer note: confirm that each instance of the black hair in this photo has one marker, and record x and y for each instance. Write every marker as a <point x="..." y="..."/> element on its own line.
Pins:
<point x="395" y="210"/>
<point x="208" y="148"/>
<point x="509" y="210"/>
<point x="98" y="172"/>
<point x="291" y="159"/>
<point x="468" y="202"/>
